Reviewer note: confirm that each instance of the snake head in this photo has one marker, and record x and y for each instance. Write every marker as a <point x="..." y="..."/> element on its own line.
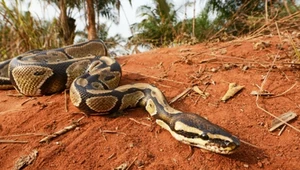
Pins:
<point x="194" y="130"/>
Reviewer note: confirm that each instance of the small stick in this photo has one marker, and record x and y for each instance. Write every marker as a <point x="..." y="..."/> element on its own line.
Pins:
<point x="281" y="130"/>
<point x="278" y="32"/>
<point x="111" y="156"/>
<point x="15" y="95"/>
<point x="12" y="141"/>
<point x="62" y="131"/>
<point x="283" y="93"/>
<point x="103" y="134"/>
<point x="32" y="98"/>
<point x="109" y="131"/>
<point x="266" y="77"/>
<point x="196" y="102"/>
<point x="191" y="149"/>
<point x="112" y="132"/>
<point x="25" y="134"/>
<point x="208" y="60"/>
<point x="66" y="102"/>
<point x="129" y="166"/>
<point x="141" y="123"/>
<point x="180" y="95"/>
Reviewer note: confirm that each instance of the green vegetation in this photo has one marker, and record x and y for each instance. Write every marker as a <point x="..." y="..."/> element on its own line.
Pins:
<point x="20" y="32"/>
<point x="162" y="24"/>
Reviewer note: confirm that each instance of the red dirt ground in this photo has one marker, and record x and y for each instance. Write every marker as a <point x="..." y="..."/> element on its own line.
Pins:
<point x="102" y="142"/>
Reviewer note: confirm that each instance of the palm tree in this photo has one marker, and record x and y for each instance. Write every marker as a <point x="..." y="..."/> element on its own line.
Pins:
<point x="94" y="9"/>
<point x="106" y="8"/>
<point x="157" y="28"/>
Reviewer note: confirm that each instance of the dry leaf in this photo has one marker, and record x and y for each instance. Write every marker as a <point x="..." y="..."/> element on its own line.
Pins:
<point x="232" y="90"/>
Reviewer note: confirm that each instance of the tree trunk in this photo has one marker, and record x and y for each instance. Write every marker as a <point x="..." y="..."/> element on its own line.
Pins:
<point x="67" y="24"/>
<point x="91" y="26"/>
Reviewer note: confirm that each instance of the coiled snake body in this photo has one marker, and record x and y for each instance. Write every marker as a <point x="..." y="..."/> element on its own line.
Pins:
<point x="93" y="80"/>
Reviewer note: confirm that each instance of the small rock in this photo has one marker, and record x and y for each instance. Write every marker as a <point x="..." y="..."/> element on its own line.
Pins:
<point x="139" y="163"/>
<point x="246" y="165"/>
<point x="214" y="70"/>
<point x="260" y="164"/>
<point x="131" y="145"/>
<point x="244" y="68"/>
<point x="223" y="51"/>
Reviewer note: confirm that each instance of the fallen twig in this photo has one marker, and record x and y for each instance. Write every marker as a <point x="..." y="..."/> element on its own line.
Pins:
<point x="62" y="131"/>
<point x="12" y="141"/>
<point x="283" y="93"/>
<point x="25" y="134"/>
<point x="141" y="123"/>
<point x="15" y="95"/>
<point x="208" y="60"/>
<point x="66" y="101"/>
<point x="112" y="131"/>
<point x="32" y="98"/>
<point x="131" y="163"/>
<point x="24" y="161"/>
<point x="111" y="156"/>
<point x="281" y="130"/>
<point x="180" y="95"/>
<point x="255" y="93"/>
<point x="191" y="150"/>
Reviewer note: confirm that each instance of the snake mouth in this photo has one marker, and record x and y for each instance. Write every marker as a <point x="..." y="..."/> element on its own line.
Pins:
<point x="221" y="146"/>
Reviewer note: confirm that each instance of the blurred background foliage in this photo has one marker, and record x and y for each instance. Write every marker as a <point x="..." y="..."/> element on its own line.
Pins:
<point x="160" y="26"/>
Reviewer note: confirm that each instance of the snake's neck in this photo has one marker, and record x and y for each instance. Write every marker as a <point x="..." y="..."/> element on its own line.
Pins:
<point x="157" y="106"/>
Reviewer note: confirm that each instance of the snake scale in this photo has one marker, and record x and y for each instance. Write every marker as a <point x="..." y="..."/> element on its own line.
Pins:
<point x="93" y="80"/>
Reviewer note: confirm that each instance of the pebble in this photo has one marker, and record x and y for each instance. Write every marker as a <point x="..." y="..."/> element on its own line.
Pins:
<point x="246" y="165"/>
<point x="260" y="164"/>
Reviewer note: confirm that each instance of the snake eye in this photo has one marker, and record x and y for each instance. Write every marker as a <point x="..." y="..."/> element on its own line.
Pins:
<point x="204" y="136"/>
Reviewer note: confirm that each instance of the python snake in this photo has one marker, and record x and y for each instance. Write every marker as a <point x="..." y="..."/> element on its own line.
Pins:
<point x="93" y="81"/>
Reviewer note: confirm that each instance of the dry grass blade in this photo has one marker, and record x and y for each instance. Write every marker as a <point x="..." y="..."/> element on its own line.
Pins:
<point x="281" y="130"/>
<point x="24" y="134"/>
<point x="66" y="101"/>
<point x="32" y="98"/>
<point x="138" y="122"/>
<point x="185" y="92"/>
<point x="13" y="141"/>
<point x="130" y="165"/>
